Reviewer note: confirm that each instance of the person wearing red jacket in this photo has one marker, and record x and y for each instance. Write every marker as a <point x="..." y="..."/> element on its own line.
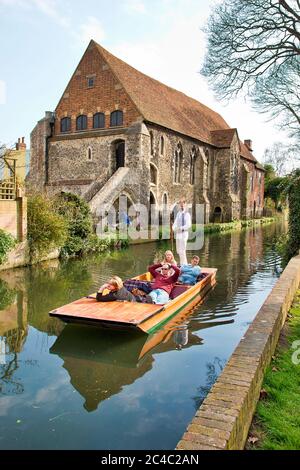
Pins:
<point x="163" y="281"/>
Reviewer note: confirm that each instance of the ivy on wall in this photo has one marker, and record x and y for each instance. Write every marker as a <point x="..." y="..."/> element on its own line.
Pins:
<point x="293" y="191"/>
<point x="7" y="242"/>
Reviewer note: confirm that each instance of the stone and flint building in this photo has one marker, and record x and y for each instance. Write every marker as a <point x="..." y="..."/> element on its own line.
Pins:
<point x="117" y="131"/>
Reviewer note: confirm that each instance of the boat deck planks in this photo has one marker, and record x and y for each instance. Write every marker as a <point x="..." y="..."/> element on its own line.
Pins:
<point x="120" y="312"/>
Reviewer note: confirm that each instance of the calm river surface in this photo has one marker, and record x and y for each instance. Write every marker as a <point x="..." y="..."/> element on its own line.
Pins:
<point x="84" y="388"/>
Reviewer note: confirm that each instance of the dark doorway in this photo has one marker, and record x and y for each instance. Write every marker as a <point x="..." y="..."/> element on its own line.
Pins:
<point x="118" y="154"/>
<point x="218" y="215"/>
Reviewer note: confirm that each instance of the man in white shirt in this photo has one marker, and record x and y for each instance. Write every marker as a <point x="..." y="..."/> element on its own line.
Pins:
<point x="181" y="227"/>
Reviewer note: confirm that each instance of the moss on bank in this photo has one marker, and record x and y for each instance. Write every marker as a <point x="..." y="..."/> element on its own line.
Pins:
<point x="276" y="424"/>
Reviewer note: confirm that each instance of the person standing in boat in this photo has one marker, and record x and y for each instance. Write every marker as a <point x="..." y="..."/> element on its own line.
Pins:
<point x="163" y="281"/>
<point x="190" y="272"/>
<point x="116" y="291"/>
<point x="181" y="227"/>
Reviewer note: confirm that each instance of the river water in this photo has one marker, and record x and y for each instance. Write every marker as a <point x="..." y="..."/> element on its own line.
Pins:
<point x="67" y="387"/>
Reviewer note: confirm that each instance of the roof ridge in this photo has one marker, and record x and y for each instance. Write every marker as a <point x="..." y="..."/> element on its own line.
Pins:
<point x="105" y="51"/>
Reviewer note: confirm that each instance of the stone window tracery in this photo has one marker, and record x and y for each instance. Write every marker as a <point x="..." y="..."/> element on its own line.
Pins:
<point x="177" y="166"/>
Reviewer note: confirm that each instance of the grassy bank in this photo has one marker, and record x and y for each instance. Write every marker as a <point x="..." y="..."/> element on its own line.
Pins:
<point x="164" y="232"/>
<point x="237" y="225"/>
<point x="276" y="424"/>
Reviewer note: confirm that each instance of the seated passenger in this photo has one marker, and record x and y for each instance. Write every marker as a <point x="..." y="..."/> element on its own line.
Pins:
<point x="116" y="291"/>
<point x="169" y="258"/>
<point x="190" y="272"/>
<point x="163" y="281"/>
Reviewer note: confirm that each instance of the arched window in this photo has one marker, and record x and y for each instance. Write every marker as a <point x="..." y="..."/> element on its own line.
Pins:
<point x="165" y="199"/>
<point x="193" y="157"/>
<point x="153" y="174"/>
<point x="177" y="167"/>
<point x="116" y="118"/>
<point x="65" y="124"/>
<point x="251" y="183"/>
<point x="162" y="145"/>
<point x="151" y="143"/>
<point x="99" y="121"/>
<point x="81" y="122"/>
<point x="89" y="154"/>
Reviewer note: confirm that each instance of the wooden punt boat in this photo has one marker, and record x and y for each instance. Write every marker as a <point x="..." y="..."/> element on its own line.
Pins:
<point x="137" y="316"/>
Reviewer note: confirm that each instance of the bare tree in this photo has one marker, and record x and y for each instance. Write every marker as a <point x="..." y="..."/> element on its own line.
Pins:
<point x="254" y="46"/>
<point x="283" y="158"/>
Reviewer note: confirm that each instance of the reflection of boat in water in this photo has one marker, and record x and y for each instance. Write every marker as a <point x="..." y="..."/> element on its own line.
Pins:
<point x="100" y="363"/>
<point x="138" y="316"/>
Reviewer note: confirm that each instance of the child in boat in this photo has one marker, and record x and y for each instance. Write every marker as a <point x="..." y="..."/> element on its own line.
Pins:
<point x="116" y="291"/>
<point x="190" y="272"/>
<point x="163" y="281"/>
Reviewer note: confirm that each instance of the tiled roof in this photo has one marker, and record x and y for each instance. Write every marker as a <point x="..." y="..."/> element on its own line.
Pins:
<point x="170" y="108"/>
<point x="222" y="138"/>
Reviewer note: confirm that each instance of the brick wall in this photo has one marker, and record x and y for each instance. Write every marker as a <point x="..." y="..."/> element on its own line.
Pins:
<point x="105" y="96"/>
<point x="13" y="217"/>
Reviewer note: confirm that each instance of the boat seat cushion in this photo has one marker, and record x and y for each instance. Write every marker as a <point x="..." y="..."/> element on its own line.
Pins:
<point x="130" y="284"/>
<point x="177" y="290"/>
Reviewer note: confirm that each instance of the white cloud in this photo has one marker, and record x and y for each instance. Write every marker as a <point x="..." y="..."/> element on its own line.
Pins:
<point x="49" y="7"/>
<point x="136" y="6"/>
<point x="91" y="29"/>
<point x="2" y="92"/>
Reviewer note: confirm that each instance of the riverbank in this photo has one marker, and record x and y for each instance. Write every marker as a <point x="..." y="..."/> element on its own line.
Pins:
<point x="224" y="418"/>
<point x="19" y="256"/>
<point x="225" y="227"/>
<point x="276" y="423"/>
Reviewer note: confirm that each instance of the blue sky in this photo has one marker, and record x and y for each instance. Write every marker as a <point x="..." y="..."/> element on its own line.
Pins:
<point x="42" y="42"/>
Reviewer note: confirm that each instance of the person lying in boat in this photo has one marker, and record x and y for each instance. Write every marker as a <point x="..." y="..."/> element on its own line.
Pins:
<point x="190" y="272"/>
<point x="116" y="291"/>
<point x="163" y="281"/>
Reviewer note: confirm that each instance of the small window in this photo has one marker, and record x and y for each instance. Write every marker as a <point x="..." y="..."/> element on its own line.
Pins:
<point x="151" y="143"/>
<point x="81" y="122"/>
<point x="89" y="154"/>
<point x="99" y="120"/>
<point x="116" y="118"/>
<point x="91" y="82"/>
<point x="65" y="124"/>
<point x="162" y="145"/>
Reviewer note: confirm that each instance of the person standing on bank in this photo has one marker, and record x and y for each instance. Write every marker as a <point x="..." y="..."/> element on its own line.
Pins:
<point x="181" y="227"/>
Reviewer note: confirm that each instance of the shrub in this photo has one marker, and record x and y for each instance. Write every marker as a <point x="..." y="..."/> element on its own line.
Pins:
<point x="77" y="215"/>
<point x="7" y="242"/>
<point x="293" y="191"/>
<point x="46" y="228"/>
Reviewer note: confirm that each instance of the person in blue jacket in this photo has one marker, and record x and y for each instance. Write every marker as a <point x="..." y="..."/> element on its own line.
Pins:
<point x="190" y="272"/>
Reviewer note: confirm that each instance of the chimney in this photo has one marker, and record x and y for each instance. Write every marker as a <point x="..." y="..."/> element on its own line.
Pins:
<point x="20" y="145"/>
<point x="248" y="144"/>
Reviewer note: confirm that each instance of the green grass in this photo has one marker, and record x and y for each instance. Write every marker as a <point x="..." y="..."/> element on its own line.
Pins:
<point x="277" y="420"/>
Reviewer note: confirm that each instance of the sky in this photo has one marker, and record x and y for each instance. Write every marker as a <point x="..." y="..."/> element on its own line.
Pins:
<point x="42" y="41"/>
